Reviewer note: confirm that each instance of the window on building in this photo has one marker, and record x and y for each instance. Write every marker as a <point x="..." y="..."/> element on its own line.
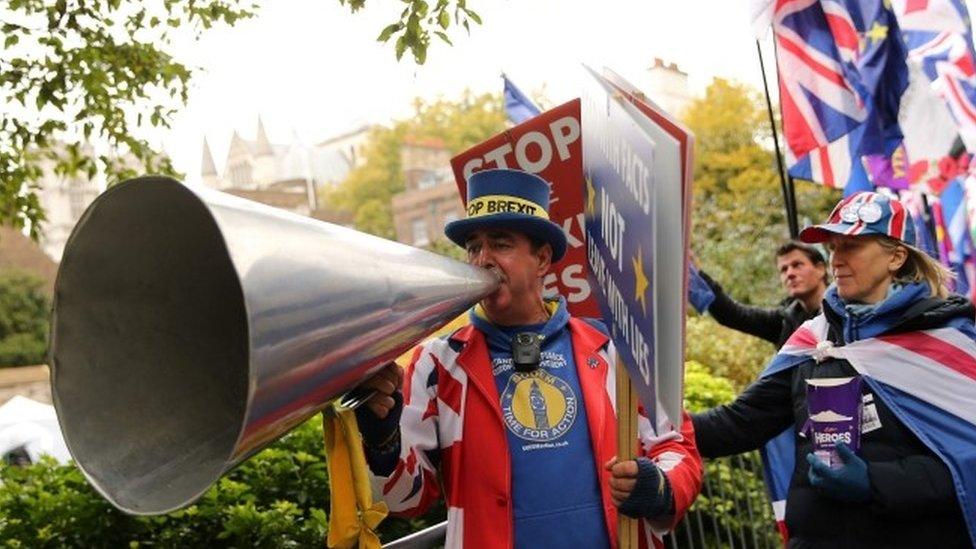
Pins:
<point x="419" y="229"/>
<point x="240" y="174"/>
<point x="427" y="180"/>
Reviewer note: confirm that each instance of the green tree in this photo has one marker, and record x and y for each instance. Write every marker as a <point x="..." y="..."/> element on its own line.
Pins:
<point x="419" y="20"/>
<point x="24" y="312"/>
<point x="458" y="124"/>
<point x="447" y="248"/>
<point x="75" y="71"/>
<point x="739" y="219"/>
<point x="727" y="353"/>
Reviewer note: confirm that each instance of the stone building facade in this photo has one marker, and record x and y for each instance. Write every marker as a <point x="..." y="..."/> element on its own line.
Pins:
<point x="64" y="199"/>
<point x="288" y="176"/>
<point x="430" y="197"/>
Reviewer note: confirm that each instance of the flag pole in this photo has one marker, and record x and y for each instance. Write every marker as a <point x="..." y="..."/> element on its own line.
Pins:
<point x="929" y="221"/>
<point x="789" y="193"/>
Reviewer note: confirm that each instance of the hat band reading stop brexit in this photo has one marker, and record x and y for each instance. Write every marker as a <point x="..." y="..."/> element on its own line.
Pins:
<point x="499" y="203"/>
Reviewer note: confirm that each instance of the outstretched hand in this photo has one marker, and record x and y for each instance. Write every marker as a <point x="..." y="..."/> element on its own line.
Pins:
<point x="848" y="483"/>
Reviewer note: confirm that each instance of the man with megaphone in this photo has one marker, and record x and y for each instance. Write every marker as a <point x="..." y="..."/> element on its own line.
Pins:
<point x="515" y="411"/>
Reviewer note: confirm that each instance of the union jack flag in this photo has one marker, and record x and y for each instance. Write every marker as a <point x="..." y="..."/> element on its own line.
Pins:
<point x="939" y="41"/>
<point x="924" y="239"/>
<point x="933" y="391"/>
<point x="959" y="243"/>
<point x="842" y="72"/>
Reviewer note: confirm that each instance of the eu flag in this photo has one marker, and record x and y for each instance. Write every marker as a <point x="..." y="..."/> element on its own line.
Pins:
<point x="518" y="106"/>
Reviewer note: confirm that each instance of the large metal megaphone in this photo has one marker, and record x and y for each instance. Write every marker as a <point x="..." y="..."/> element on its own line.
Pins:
<point x="191" y="328"/>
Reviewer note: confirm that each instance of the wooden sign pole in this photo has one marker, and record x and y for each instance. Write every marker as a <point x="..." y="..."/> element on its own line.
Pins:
<point x="626" y="446"/>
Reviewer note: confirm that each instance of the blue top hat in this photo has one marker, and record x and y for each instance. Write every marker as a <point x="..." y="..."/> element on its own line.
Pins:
<point x="509" y="199"/>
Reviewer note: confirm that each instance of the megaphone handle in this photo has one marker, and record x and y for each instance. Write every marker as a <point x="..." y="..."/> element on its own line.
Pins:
<point x="355" y="398"/>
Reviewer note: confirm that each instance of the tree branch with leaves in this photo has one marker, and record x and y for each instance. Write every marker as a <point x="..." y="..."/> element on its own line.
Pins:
<point x="73" y="72"/>
<point x="420" y="20"/>
<point x="77" y="71"/>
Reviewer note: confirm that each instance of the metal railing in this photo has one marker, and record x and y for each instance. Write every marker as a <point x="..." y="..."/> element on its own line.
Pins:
<point x="732" y="511"/>
<point x="432" y="536"/>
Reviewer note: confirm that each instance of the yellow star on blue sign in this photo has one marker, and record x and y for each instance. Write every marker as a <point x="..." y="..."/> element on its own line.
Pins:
<point x="640" y="281"/>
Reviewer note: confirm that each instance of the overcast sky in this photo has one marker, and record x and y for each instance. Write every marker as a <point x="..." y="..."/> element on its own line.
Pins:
<point x="310" y="68"/>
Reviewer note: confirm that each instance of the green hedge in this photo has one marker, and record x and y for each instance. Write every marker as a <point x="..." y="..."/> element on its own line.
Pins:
<point x="24" y="312"/>
<point x="278" y="498"/>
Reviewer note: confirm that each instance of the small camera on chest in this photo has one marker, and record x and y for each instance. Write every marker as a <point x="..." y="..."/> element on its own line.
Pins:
<point x="526" y="351"/>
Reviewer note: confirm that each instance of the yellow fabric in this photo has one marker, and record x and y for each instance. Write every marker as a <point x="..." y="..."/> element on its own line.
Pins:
<point x="552" y="305"/>
<point x="499" y="203"/>
<point x="349" y="490"/>
<point x="353" y="516"/>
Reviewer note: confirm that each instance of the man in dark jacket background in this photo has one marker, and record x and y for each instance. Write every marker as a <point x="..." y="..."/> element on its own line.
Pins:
<point x="803" y="273"/>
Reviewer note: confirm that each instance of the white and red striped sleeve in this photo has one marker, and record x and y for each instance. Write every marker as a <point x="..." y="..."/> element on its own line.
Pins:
<point x="412" y="486"/>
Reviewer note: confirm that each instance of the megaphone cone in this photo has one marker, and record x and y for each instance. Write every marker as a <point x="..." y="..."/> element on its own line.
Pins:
<point x="191" y="328"/>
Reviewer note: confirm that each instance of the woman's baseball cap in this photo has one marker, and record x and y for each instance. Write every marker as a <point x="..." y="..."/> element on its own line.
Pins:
<point x="865" y="213"/>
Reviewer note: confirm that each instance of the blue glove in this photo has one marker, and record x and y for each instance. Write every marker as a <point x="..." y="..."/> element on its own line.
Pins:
<point x="849" y="483"/>
<point x="700" y="294"/>
<point x="651" y="496"/>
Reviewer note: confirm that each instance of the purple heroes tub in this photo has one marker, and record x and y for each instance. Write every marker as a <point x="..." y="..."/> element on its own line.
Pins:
<point x="834" y="409"/>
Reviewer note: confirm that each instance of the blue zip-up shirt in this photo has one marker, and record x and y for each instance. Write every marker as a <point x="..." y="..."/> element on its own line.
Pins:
<point x="555" y="490"/>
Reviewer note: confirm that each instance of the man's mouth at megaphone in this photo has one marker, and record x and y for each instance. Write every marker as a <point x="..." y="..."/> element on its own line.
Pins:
<point x="519" y="264"/>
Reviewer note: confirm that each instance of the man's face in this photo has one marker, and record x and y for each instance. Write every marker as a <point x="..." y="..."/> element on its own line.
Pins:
<point x="509" y="254"/>
<point x="800" y="277"/>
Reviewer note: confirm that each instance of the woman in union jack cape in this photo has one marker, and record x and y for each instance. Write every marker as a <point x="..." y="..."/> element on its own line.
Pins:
<point x="889" y="320"/>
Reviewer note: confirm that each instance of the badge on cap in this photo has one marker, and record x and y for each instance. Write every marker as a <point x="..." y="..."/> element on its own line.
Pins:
<point x="848" y="214"/>
<point x="869" y="212"/>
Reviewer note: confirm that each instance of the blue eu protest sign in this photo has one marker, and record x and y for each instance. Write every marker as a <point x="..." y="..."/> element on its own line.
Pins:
<point x="634" y="210"/>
